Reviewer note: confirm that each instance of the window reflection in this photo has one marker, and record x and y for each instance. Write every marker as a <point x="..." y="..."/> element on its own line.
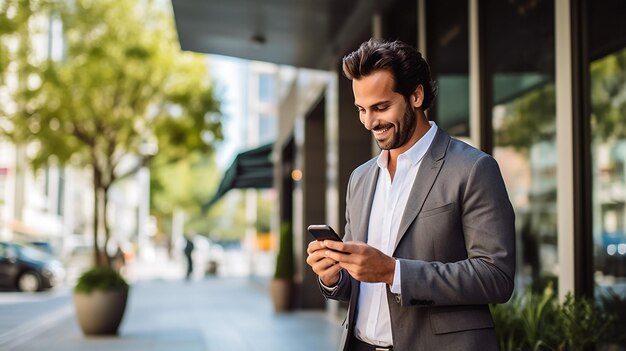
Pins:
<point x="525" y="146"/>
<point x="608" y="153"/>
<point x="448" y="55"/>
<point x="520" y="86"/>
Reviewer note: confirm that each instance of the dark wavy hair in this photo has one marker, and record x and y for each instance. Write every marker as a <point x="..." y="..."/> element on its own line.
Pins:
<point x="407" y="66"/>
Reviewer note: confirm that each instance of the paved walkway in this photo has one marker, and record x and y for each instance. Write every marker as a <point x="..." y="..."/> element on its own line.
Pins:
<point x="228" y="312"/>
<point x="209" y="314"/>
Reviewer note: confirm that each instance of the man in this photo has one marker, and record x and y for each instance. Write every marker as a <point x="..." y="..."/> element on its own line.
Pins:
<point x="430" y="239"/>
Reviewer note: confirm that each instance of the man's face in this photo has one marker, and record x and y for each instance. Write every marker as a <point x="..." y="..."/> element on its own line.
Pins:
<point x="384" y="111"/>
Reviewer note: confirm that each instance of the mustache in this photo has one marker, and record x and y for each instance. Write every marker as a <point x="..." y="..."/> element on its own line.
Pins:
<point x="382" y="126"/>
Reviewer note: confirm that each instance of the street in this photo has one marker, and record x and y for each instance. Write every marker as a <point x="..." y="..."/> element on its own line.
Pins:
<point x="26" y="315"/>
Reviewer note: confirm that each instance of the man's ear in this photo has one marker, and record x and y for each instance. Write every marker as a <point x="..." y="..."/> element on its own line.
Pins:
<point x="417" y="97"/>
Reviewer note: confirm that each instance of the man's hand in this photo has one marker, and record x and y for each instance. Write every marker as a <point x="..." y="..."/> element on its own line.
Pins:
<point x="364" y="262"/>
<point x="327" y="269"/>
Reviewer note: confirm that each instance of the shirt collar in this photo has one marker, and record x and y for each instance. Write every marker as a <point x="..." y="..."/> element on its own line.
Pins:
<point x="415" y="153"/>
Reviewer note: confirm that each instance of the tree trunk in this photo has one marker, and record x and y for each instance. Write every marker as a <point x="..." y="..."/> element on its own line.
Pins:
<point x="105" y="222"/>
<point x="98" y="217"/>
<point x="96" y="221"/>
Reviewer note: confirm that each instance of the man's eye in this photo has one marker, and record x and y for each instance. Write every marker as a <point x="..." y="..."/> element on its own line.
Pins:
<point x="381" y="108"/>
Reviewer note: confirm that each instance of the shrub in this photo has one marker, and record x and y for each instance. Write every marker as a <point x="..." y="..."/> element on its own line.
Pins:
<point x="284" y="258"/>
<point x="100" y="278"/>
<point x="614" y="305"/>
<point x="582" y="322"/>
<point x="539" y="322"/>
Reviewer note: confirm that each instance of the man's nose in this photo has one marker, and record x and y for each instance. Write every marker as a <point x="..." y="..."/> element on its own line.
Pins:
<point x="367" y="120"/>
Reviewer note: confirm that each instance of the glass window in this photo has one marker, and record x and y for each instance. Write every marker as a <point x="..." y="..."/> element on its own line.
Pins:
<point x="518" y="53"/>
<point x="266" y="88"/>
<point x="607" y="70"/>
<point x="267" y="128"/>
<point x="447" y="51"/>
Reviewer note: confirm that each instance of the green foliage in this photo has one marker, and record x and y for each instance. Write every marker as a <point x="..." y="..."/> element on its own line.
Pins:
<point x="508" y="325"/>
<point x="122" y="92"/>
<point x="100" y="278"/>
<point x="582" y="323"/>
<point x="264" y="213"/>
<point x="614" y="305"/>
<point x="284" y="259"/>
<point x="538" y="314"/>
<point x="123" y="84"/>
<point x="608" y="107"/>
<point x="196" y="179"/>
<point x="529" y="119"/>
<point x="15" y="49"/>
<point x="539" y="322"/>
<point x="184" y="184"/>
<point x="226" y="220"/>
<point x="524" y="323"/>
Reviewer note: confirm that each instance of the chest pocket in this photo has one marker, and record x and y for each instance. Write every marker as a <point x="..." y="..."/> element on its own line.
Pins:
<point x="437" y="210"/>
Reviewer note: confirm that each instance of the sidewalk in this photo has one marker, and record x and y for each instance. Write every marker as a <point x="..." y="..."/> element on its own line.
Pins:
<point x="217" y="313"/>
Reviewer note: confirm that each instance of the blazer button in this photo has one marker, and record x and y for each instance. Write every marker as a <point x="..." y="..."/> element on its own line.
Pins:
<point x="398" y="299"/>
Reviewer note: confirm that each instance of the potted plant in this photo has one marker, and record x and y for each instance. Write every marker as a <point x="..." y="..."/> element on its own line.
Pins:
<point x="281" y="285"/>
<point x="100" y="297"/>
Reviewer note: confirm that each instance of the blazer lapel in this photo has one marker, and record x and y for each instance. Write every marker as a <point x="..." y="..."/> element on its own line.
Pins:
<point x="366" y="198"/>
<point x="428" y="171"/>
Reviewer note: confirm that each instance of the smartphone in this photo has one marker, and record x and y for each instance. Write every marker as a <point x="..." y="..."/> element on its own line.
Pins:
<point x="323" y="232"/>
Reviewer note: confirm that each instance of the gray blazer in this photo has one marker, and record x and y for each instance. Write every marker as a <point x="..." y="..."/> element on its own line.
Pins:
<point x="456" y="248"/>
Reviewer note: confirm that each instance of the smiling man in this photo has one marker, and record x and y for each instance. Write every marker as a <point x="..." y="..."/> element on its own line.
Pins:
<point x="430" y="239"/>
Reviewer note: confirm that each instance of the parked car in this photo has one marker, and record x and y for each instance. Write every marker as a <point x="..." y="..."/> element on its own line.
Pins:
<point x="27" y="268"/>
<point x="44" y="246"/>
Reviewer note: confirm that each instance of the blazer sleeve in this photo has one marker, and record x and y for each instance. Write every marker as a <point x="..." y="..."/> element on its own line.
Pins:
<point x="344" y="286"/>
<point x="487" y="274"/>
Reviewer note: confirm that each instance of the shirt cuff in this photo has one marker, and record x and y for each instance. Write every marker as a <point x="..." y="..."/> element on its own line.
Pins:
<point x="331" y="289"/>
<point x="396" y="288"/>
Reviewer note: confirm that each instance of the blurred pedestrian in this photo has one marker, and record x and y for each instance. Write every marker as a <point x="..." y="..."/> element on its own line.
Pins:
<point x="188" y="251"/>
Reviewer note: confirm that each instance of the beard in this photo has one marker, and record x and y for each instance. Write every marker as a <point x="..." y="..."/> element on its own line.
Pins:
<point x="403" y="131"/>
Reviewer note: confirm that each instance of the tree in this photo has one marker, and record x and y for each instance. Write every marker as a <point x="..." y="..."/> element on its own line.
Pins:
<point x="608" y="106"/>
<point x="530" y="119"/>
<point x="123" y="90"/>
<point x="15" y="16"/>
<point x="196" y="179"/>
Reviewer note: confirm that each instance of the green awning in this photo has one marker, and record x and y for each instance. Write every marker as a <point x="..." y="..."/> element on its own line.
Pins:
<point x="252" y="169"/>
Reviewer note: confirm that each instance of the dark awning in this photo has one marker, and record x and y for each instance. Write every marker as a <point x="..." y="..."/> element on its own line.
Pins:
<point x="250" y="169"/>
<point x="276" y="31"/>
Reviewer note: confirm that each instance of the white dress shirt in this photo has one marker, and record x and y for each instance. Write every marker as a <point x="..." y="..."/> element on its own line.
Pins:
<point x="373" y="323"/>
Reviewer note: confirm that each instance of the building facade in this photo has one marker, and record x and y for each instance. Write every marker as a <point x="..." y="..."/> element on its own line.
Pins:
<point x="540" y="85"/>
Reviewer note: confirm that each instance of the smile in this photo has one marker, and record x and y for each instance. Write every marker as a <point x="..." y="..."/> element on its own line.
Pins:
<point x="380" y="131"/>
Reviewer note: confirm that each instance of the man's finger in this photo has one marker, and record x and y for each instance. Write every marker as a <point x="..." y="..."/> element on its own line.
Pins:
<point x="325" y="267"/>
<point x="315" y="257"/>
<point x="314" y="246"/>
<point x="337" y="256"/>
<point x="335" y="245"/>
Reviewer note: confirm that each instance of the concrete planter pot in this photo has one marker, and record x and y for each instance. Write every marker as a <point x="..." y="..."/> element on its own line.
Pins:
<point x="100" y="312"/>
